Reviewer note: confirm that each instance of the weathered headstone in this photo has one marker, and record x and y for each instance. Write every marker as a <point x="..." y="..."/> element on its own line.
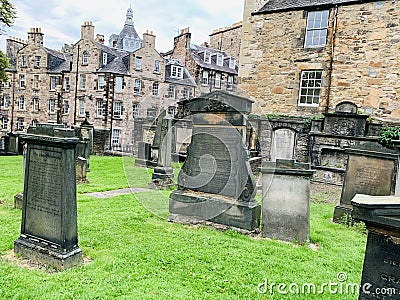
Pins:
<point x="283" y="144"/>
<point x="49" y="215"/>
<point x="371" y="171"/>
<point x="163" y="173"/>
<point x="144" y="154"/>
<point x="286" y="200"/>
<point x="380" y="275"/>
<point x="215" y="183"/>
<point x="81" y="170"/>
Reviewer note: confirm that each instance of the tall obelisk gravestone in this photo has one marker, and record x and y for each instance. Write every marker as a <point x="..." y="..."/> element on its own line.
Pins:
<point x="49" y="232"/>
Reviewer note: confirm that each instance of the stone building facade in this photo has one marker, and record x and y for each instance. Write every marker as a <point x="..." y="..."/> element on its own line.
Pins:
<point x="112" y="86"/>
<point x="212" y="69"/>
<point x="227" y="39"/>
<point x="303" y="58"/>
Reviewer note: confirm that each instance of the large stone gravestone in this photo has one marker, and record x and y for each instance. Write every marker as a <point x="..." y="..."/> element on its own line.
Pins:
<point x="286" y="200"/>
<point x="371" y="171"/>
<point x="49" y="214"/>
<point x="144" y="154"/>
<point x="216" y="183"/>
<point x="283" y="144"/>
<point x="381" y="270"/>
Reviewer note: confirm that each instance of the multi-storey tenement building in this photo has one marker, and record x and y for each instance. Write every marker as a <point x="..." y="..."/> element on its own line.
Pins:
<point x="112" y="85"/>
<point x="304" y="57"/>
<point x="227" y="39"/>
<point x="212" y="69"/>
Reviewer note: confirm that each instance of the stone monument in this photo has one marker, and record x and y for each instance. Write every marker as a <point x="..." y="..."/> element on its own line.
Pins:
<point x="163" y="173"/>
<point x="49" y="232"/>
<point x="215" y="183"/>
<point x="380" y="275"/>
<point x="371" y="171"/>
<point x="286" y="200"/>
<point x="144" y="154"/>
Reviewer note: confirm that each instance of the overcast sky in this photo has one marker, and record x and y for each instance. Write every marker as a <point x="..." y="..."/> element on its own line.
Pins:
<point x="61" y="20"/>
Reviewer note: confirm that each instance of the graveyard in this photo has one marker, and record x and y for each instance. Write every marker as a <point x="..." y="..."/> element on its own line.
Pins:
<point x="131" y="251"/>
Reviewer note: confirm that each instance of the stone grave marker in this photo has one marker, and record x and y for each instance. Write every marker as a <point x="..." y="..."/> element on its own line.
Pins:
<point x="283" y="144"/>
<point x="371" y="171"/>
<point x="286" y="200"/>
<point x="49" y="214"/>
<point x="381" y="270"/>
<point x="144" y="154"/>
<point x="215" y="183"/>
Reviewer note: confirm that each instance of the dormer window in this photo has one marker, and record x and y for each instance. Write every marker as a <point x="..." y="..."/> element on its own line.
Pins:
<point x="104" y="59"/>
<point x="220" y="59"/>
<point x="232" y="63"/>
<point x="177" y="72"/>
<point x="84" y="58"/>
<point x="207" y="57"/>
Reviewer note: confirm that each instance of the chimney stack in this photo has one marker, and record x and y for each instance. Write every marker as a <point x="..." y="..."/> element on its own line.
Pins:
<point x="87" y="31"/>
<point x="35" y="36"/>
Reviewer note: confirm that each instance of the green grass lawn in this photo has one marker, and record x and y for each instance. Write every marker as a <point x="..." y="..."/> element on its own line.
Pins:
<point x="136" y="254"/>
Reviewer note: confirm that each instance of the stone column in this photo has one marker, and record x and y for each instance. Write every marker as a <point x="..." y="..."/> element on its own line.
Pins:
<point x="286" y="200"/>
<point x="49" y="232"/>
<point x="381" y="214"/>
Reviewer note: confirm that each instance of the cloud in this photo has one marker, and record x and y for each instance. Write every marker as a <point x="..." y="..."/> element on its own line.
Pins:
<point x="61" y="20"/>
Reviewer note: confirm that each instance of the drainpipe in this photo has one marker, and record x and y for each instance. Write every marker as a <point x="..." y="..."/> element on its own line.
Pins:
<point x="330" y="70"/>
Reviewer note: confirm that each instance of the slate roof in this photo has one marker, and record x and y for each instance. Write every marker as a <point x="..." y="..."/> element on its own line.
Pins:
<point x="117" y="60"/>
<point x="58" y="61"/>
<point x="187" y="79"/>
<point x="198" y="55"/>
<point x="282" y="5"/>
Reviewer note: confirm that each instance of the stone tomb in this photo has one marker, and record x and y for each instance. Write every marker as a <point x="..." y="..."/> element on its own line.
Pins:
<point x="49" y="232"/>
<point x="371" y="171"/>
<point x="381" y="270"/>
<point x="286" y="200"/>
<point x="215" y="183"/>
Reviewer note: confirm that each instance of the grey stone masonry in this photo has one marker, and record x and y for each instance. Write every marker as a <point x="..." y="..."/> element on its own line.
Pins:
<point x="381" y="214"/>
<point x="286" y="200"/>
<point x="49" y="233"/>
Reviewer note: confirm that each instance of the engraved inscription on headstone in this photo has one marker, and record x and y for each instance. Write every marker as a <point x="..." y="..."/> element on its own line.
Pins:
<point x="283" y="144"/>
<point x="49" y="232"/>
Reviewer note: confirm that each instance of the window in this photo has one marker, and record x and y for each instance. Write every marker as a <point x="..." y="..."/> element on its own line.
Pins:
<point x="81" y="107"/>
<point x="37" y="61"/>
<point x="117" y="109"/>
<point x="23" y="62"/>
<point x="171" y="112"/>
<point x="137" y="87"/>
<point x="176" y="72"/>
<point x="207" y="57"/>
<point x="229" y="84"/>
<point x="66" y="84"/>
<point x="186" y="93"/>
<point x="155" y="88"/>
<point x="84" y="58"/>
<point x="99" y="108"/>
<point x="157" y="66"/>
<point x="82" y="84"/>
<point x="35" y="103"/>
<point x="317" y="29"/>
<point x="220" y="59"/>
<point x="52" y="106"/>
<point x="310" y="87"/>
<point x="204" y="80"/>
<point x="21" y="103"/>
<point x="218" y="80"/>
<point x="118" y="84"/>
<point x="20" y="124"/>
<point x="53" y="80"/>
<point x="36" y="81"/>
<point x="4" y="122"/>
<point x="171" y="92"/>
<point x="22" y="81"/>
<point x="138" y="63"/>
<point x="65" y="107"/>
<point x="100" y="82"/>
<point x="105" y="59"/>
<point x="6" y="101"/>
<point x="232" y="63"/>
<point x="136" y="110"/>
<point x="115" y="136"/>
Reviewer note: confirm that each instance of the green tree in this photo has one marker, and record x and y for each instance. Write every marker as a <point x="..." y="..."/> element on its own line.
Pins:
<point x="7" y="16"/>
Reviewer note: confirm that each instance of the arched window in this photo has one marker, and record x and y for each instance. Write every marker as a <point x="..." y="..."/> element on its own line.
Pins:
<point x="85" y="58"/>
